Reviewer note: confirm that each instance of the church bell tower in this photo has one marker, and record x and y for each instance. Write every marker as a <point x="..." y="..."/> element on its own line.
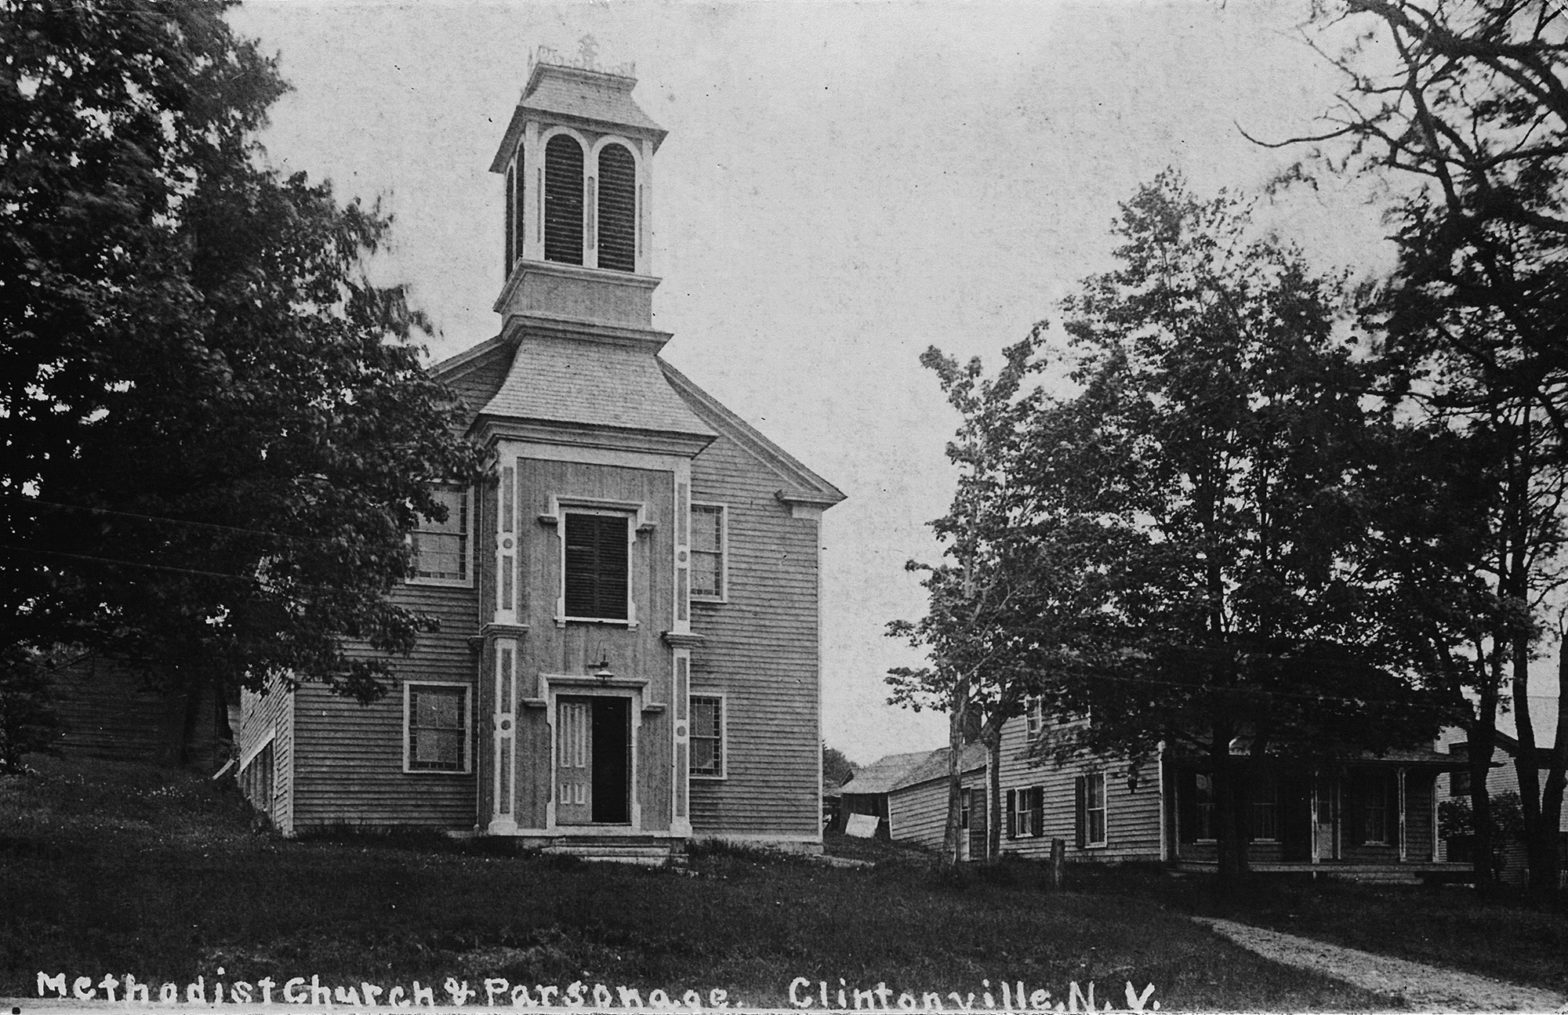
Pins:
<point x="577" y="158"/>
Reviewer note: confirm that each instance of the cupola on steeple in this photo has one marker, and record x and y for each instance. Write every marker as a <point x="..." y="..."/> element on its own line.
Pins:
<point x="577" y="159"/>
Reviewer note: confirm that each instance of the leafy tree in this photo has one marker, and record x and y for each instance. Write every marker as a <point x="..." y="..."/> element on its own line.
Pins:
<point x="836" y="769"/>
<point x="1207" y="478"/>
<point x="218" y="430"/>
<point x="28" y="723"/>
<point x="980" y="600"/>
<point x="1464" y="108"/>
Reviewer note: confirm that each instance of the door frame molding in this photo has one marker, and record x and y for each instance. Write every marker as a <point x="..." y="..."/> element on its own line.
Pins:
<point x="575" y="685"/>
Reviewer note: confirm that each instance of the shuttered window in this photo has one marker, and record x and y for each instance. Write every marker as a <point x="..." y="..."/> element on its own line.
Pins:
<point x="563" y="200"/>
<point x="597" y="566"/>
<point x="437" y="723"/>
<point x="617" y="209"/>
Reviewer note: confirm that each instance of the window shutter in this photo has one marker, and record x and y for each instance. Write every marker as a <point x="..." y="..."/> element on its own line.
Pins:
<point x="1037" y="811"/>
<point x="1080" y="812"/>
<point x="1012" y="815"/>
<point x="617" y="209"/>
<point x="563" y="200"/>
<point x="596" y="566"/>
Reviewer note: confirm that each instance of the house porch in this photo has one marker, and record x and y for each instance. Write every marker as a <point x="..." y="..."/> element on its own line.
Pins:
<point x="1358" y="818"/>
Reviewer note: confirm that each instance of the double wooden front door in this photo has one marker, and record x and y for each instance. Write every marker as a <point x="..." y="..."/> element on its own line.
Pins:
<point x="593" y="760"/>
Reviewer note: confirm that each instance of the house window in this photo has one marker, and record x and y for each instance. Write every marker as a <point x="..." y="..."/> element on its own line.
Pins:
<point x="707" y="736"/>
<point x="1034" y="715"/>
<point x="1203" y="805"/>
<point x="441" y="549"/>
<point x="1265" y="808"/>
<point x="707" y="551"/>
<point x="598" y="563"/>
<point x="435" y="721"/>
<point x="1459" y="782"/>
<point x="1094" y="808"/>
<point x="963" y="808"/>
<point x="1025" y="815"/>
<point x="1376" y="788"/>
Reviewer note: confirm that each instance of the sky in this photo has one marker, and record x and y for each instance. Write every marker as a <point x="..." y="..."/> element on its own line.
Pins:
<point x="843" y="186"/>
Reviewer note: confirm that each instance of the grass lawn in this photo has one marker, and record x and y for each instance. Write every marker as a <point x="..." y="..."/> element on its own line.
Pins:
<point x="109" y="868"/>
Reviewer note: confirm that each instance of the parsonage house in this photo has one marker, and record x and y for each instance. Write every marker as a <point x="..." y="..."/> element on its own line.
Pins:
<point x="1363" y="814"/>
<point x="628" y="646"/>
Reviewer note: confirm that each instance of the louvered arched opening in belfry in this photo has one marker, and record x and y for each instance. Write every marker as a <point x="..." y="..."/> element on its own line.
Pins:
<point x="617" y="209"/>
<point x="511" y="212"/>
<point x="515" y="198"/>
<point x="563" y="200"/>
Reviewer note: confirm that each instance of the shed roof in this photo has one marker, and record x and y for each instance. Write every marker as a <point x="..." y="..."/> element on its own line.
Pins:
<point x="972" y="758"/>
<point x="881" y="775"/>
<point x="900" y="771"/>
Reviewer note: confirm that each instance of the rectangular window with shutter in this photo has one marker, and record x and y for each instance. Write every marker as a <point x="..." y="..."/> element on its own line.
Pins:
<point x="436" y="725"/>
<point x="598" y="565"/>
<point x="1024" y="813"/>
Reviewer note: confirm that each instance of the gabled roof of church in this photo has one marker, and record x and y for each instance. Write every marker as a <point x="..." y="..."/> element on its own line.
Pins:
<point x="561" y="380"/>
<point x="576" y="387"/>
<point x="805" y="485"/>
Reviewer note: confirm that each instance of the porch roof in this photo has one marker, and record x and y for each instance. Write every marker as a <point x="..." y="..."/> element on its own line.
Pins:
<point x="1408" y="757"/>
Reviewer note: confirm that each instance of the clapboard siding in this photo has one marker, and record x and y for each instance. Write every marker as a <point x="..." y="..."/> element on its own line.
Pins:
<point x="760" y="651"/>
<point x="109" y="709"/>
<point x="271" y="714"/>
<point x="1132" y="809"/>
<point x="348" y="765"/>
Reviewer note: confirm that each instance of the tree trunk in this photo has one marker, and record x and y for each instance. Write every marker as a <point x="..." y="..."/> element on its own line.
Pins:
<point x="955" y="747"/>
<point x="1229" y="826"/>
<point x="1545" y="845"/>
<point x="993" y="827"/>
<point x="1482" y="744"/>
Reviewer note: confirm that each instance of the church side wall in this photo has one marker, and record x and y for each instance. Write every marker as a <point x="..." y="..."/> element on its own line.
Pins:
<point x="761" y="653"/>
<point x="349" y="762"/>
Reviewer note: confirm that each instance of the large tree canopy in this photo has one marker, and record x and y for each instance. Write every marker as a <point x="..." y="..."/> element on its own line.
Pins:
<point x="1178" y="549"/>
<point x="1463" y="109"/>
<point x="217" y="428"/>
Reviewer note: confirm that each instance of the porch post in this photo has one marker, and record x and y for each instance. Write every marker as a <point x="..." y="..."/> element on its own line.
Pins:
<point x="1399" y="783"/>
<point x="1312" y="806"/>
<point x="1433" y="795"/>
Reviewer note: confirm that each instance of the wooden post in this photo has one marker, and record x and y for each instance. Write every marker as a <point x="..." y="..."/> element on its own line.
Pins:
<point x="1058" y="863"/>
<point x="1399" y="783"/>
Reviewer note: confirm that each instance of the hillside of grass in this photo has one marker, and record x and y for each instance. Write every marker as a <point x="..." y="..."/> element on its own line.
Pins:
<point x="113" y="868"/>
